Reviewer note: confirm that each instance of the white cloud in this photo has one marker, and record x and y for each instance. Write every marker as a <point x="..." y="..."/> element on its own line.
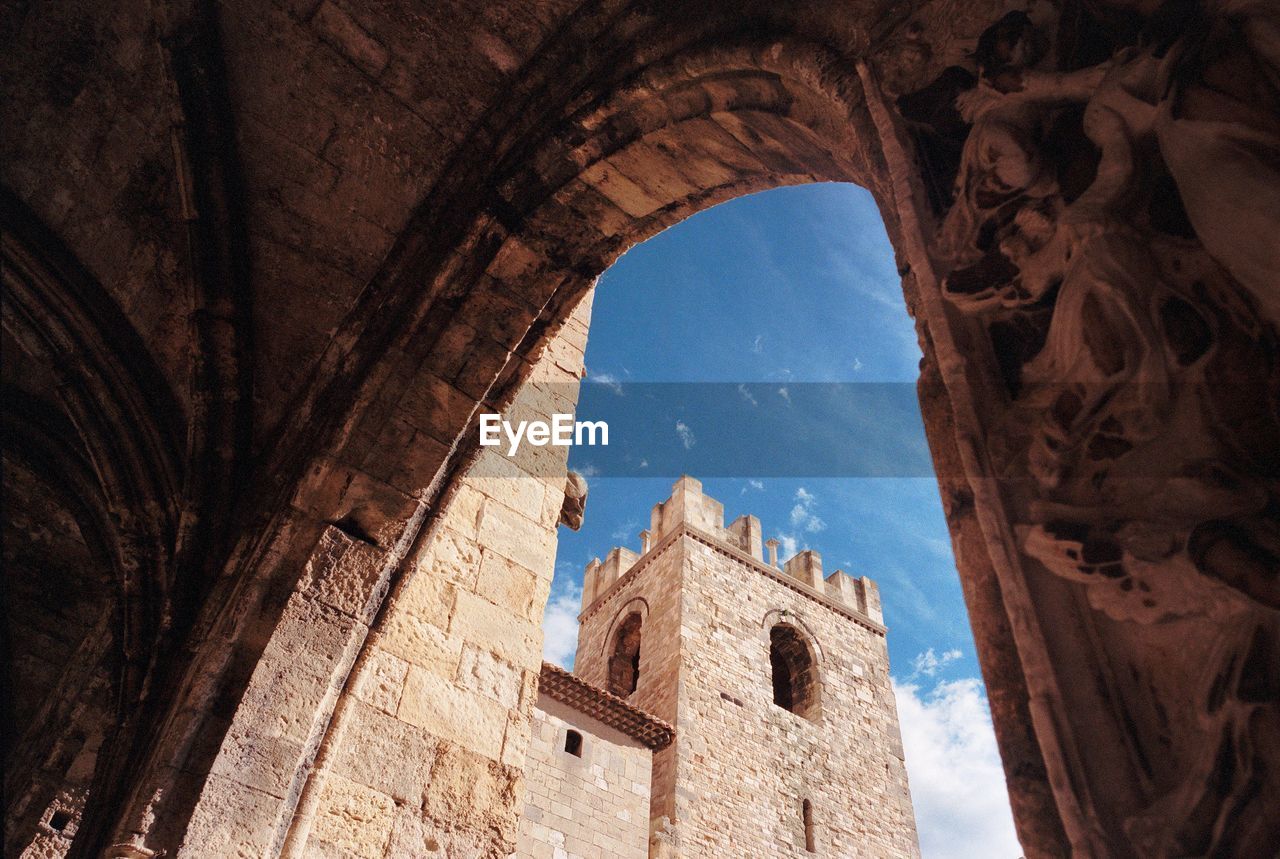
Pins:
<point x="560" y="626"/>
<point x="802" y="515"/>
<point x="803" y="521"/>
<point x="757" y="346"/>
<point x="609" y="380"/>
<point x="929" y="663"/>
<point x="686" y="434"/>
<point x="746" y="395"/>
<point x="957" y="783"/>
<point x="785" y="394"/>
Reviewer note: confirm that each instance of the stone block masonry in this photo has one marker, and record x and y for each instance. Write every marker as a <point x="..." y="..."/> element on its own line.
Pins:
<point x="777" y="683"/>
<point x="427" y="750"/>
<point x="587" y="774"/>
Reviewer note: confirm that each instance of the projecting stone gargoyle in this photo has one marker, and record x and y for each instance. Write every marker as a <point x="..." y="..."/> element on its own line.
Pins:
<point x="575" y="501"/>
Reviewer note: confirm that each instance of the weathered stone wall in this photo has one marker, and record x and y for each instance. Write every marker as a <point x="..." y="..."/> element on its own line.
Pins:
<point x="652" y="590"/>
<point x="428" y="749"/>
<point x="56" y="698"/>
<point x="421" y="743"/>
<point x="734" y="780"/>
<point x="583" y="807"/>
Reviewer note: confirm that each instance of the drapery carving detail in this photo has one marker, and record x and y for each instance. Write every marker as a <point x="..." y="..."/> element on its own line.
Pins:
<point x="1135" y="332"/>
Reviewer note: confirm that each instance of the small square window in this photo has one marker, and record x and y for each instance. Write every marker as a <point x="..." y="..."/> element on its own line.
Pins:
<point x="58" y="821"/>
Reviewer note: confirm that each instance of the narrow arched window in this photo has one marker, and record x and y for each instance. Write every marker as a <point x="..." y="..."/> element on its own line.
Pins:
<point x="624" y="661"/>
<point x="806" y="812"/>
<point x="795" y="673"/>
<point x="573" y="743"/>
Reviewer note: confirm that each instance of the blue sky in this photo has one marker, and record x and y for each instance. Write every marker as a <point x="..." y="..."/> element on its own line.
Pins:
<point x="791" y="286"/>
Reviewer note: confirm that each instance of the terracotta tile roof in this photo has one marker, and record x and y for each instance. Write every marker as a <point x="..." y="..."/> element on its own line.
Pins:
<point x="556" y="683"/>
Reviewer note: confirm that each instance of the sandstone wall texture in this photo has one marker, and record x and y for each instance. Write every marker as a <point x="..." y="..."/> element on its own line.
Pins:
<point x="588" y="805"/>
<point x="428" y="751"/>
<point x="424" y="746"/>
<point x="736" y="778"/>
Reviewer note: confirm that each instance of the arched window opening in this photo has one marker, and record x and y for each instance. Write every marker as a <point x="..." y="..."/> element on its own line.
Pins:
<point x="624" y="663"/>
<point x="807" y="813"/>
<point x="795" y="675"/>
<point x="573" y="743"/>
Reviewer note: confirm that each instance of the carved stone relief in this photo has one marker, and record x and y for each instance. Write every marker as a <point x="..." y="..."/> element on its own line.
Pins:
<point x="1113" y="227"/>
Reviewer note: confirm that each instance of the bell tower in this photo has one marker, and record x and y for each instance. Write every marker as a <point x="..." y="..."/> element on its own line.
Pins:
<point x="775" y="677"/>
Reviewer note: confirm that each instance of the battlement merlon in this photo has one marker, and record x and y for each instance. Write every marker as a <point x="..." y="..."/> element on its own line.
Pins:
<point x="689" y="506"/>
<point x="745" y="533"/>
<point x="861" y="594"/>
<point x="805" y="566"/>
<point x="600" y="576"/>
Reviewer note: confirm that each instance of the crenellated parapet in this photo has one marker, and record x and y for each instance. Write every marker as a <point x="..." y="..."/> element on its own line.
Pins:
<point x="690" y="509"/>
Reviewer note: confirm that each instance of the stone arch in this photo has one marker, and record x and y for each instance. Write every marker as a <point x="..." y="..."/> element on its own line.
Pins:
<point x="796" y="680"/>
<point x="624" y="655"/>
<point x="124" y="415"/>
<point x="62" y="673"/>
<point x="88" y="411"/>
<point x="777" y="616"/>
<point x="635" y="605"/>
<point x="564" y="208"/>
<point x="501" y="273"/>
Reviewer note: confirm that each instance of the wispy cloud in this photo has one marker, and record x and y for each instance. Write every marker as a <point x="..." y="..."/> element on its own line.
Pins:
<point x="686" y="435"/>
<point x="757" y="345"/>
<point x="560" y="625"/>
<point x="785" y="394"/>
<point x="929" y="663"/>
<point x="957" y="782"/>
<point x="803" y="520"/>
<point x="746" y="395"/>
<point x="802" y="515"/>
<point x="609" y="380"/>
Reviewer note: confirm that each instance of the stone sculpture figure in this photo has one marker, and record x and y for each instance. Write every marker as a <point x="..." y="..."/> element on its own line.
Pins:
<point x="1140" y="301"/>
